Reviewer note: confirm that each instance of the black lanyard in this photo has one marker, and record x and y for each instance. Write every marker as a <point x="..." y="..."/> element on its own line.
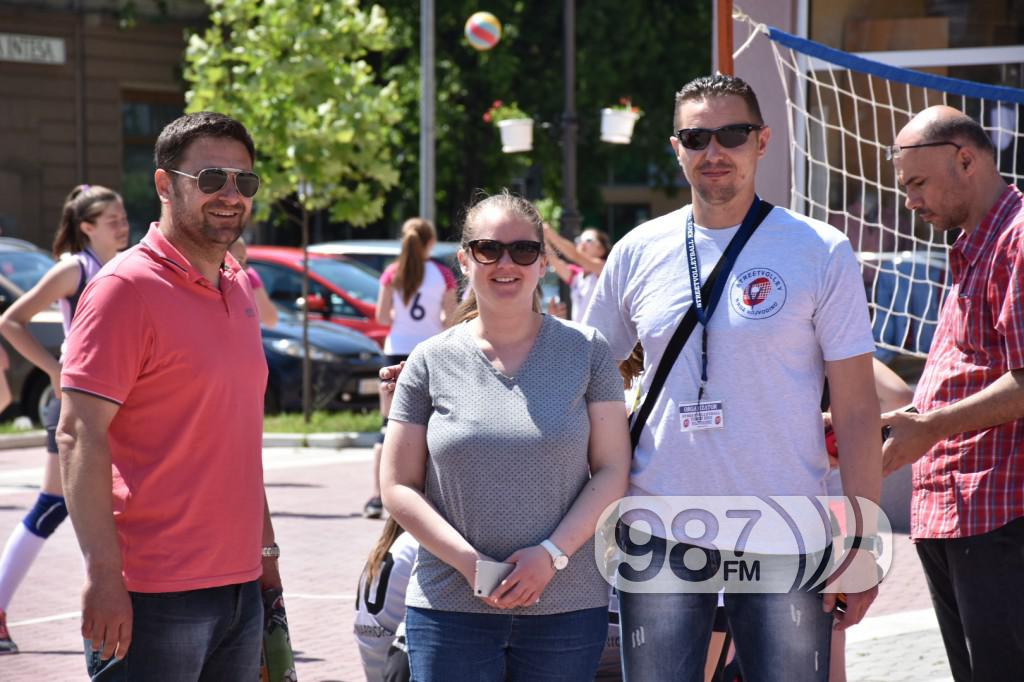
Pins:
<point x="732" y="252"/>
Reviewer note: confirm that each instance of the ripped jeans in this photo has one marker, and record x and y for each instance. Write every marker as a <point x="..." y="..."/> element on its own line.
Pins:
<point x="779" y="637"/>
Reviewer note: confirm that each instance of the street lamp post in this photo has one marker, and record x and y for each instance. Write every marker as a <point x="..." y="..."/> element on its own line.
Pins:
<point x="570" y="225"/>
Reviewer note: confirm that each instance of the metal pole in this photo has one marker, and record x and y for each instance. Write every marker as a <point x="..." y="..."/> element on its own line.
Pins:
<point x="570" y="227"/>
<point x="724" y="34"/>
<point x="427" y="101"/>
<point x="307" y="377"/>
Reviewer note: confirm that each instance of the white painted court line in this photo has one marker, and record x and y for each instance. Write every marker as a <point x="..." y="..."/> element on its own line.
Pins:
<point x="19" y="475"/>
<point x="889" y="625"/>
<point x="319" y="597"/>
<point x="45" y="619"/>
<point x="13" y="481"/>
<point x="301" y="458"/>
<point x="289" y="595"/>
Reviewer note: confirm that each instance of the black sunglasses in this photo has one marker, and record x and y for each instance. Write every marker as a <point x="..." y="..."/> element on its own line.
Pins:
<point x="212" y="180"/>
<point x="487" y="251"/>
<point x="729" y="136"/>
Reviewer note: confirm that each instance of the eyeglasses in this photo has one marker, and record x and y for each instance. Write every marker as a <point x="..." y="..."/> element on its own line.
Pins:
<point x="487" y="251"/>
<point x="894" y="151"/>
<point x="729" y="136"/>
<point x="212" y="180"/>
<point x="583" y="240"/>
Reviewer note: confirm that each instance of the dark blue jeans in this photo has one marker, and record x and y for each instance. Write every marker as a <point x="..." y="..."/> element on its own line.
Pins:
<point x="213" y="634"/>
<point x="665" y="636"/>
<point x="449" y="646"/>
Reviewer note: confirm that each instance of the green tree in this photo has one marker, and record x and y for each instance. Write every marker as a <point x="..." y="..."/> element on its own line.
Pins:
<point x="644" y="49"/>
<point x="298" y="74"/>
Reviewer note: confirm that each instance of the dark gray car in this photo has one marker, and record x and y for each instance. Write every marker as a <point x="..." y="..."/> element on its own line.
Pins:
<point x="22" y="264"/>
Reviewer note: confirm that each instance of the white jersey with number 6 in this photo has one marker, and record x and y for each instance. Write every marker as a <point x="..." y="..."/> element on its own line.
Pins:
<point x="420" y="319"/>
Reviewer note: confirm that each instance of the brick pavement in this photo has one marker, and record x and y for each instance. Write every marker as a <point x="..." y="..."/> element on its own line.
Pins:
<point x="316" y="496"/>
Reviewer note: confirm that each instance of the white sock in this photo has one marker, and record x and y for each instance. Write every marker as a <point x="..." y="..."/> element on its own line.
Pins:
<point x="22" y="549"/>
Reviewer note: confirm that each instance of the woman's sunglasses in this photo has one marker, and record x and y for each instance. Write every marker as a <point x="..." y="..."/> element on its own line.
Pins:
<point x="730" y="136"/>
<point x="212" y="180"/>
<point x="487" y="251"/>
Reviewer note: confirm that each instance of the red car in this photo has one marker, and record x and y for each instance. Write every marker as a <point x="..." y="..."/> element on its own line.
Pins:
<point x="340" y="289"/>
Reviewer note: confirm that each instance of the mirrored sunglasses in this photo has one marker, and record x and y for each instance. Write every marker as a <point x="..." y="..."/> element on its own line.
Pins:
<point x="729" y="136"/>
<point x="212" y="180"/>
<point x="487" y="251"/>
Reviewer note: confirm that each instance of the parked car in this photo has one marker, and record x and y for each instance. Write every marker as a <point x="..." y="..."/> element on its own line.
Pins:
<point x="341" y="290"/>
<point x="378" y="253"/>
<point x="22" y="264"/>
<point x="344" y="366"/>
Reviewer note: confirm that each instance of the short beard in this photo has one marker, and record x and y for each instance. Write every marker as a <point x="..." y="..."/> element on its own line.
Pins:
<point x="957" y="217"/>
<point x="716" y="196"/>
<point x="195" y="230"/>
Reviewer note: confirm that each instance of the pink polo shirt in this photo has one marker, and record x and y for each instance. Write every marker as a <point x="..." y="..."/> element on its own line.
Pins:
<point x="185" y="363"/>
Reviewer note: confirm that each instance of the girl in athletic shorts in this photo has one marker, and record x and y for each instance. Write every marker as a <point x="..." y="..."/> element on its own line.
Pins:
<point x="93" y="228"/>
<point x="417" y="298"/>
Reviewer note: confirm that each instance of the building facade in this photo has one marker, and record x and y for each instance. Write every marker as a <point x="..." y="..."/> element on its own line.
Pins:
<point x="85" y="87"/>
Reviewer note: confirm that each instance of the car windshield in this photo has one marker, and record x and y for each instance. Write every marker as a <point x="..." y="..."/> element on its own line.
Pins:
<point x="356" y="279"/>
<point x="24" y="268"/>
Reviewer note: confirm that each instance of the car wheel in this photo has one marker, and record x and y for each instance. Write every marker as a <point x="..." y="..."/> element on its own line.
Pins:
<point x="37" y="396"/>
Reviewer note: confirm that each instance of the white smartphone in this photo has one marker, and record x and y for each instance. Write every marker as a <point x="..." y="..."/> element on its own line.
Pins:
<point x="489" y="575"/>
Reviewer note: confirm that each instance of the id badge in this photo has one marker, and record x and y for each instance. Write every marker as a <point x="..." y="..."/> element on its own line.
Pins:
<point x="700" y="416"/>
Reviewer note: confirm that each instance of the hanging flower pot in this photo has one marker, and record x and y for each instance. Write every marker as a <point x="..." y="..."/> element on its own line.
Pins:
<point x="617" y="122"/>
<point x="515" y="126"/>
<point x="516" y="135"/>
<point x="617" y="125"/>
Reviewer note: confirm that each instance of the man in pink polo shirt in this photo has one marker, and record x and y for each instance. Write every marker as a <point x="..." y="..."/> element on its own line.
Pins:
<point x="163" y="386"/>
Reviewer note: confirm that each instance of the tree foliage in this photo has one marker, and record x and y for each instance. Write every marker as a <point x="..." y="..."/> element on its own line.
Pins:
<point x="301" y="76"/>
<point x="643" y="49"/>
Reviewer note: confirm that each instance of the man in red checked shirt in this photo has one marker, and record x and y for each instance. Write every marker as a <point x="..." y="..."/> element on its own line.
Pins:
<point x="967" y="442"/>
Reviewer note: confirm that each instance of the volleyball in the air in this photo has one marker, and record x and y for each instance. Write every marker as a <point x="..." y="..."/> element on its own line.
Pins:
<point x="483" y="30"/>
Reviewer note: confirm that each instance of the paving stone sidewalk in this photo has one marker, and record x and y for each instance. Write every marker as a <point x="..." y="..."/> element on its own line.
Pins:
<point x="316" y="496"/>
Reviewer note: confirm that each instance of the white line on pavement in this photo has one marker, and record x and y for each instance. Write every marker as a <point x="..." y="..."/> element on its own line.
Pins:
<point x="892" y="624"/>
<point x="46" y="619"/>
<point x="298" y="458"/>
<point x="20" y="481"/>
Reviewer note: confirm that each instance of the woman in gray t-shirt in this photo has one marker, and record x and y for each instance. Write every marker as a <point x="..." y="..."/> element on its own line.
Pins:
<point x="506" y="440"/>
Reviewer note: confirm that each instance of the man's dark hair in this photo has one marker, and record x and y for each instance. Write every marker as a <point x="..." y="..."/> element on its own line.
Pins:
<point x="959" y="129"/>
<point x="718" y="85"/>
<point x="176" y="137"/>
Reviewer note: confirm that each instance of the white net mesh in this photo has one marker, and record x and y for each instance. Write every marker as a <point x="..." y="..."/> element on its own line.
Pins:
<point x="841" y="119"/>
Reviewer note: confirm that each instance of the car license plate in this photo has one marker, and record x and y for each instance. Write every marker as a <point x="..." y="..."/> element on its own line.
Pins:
<point x="369" y="386"/>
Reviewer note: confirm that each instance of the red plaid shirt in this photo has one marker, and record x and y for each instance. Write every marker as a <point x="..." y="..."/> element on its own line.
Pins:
<point x="973" y="482"/>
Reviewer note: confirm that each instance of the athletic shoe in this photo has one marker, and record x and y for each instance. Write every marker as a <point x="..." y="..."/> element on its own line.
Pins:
<point x="7" y="645"/>
<point x="373" y="509"/>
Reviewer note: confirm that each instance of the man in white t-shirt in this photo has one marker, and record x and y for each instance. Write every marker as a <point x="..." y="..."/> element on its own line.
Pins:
<point x="792" y="311"/>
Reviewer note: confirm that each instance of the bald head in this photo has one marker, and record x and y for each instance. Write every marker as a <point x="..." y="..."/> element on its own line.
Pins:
<point x="946" y="124"/>
<point x="946" y="165"/>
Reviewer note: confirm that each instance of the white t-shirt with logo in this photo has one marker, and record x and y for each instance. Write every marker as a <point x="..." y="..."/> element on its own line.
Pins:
<point x="380" y="606"/>
<point x="794" y="299"/>
<point x="420" y="319"/>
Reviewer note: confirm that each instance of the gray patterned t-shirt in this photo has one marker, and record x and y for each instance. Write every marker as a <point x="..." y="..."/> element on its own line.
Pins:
<point x="507" y="456"/>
